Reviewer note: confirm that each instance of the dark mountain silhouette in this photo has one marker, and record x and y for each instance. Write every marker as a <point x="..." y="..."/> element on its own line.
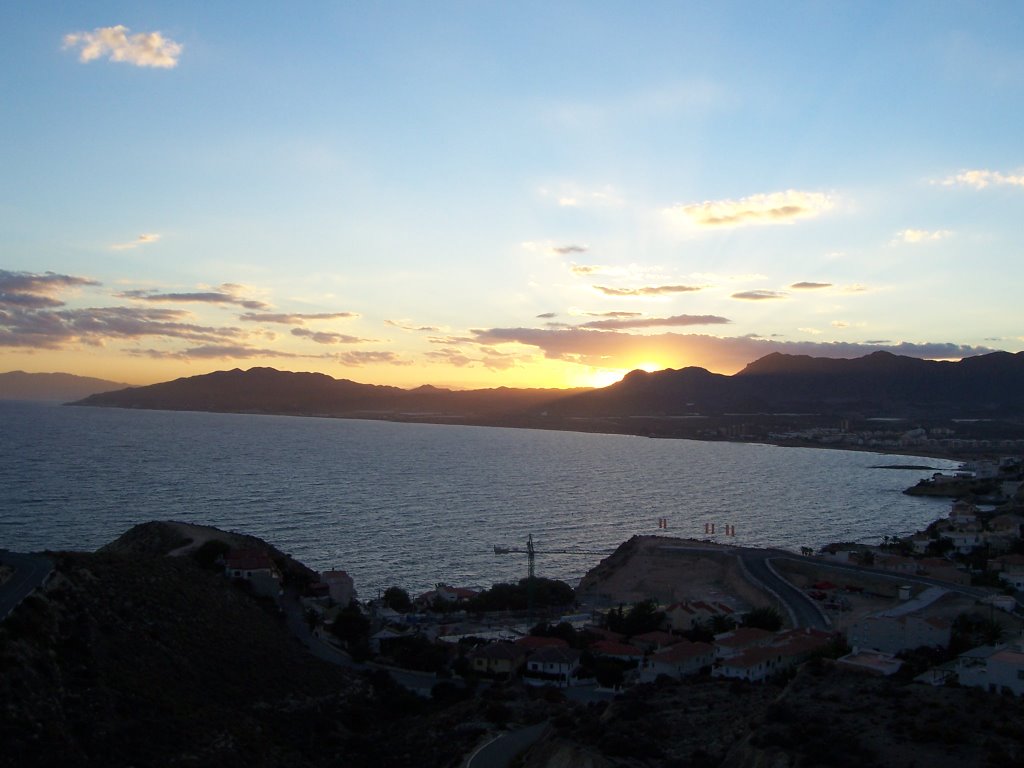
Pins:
<point x="59" y="387"/>
<point x="267" y="390"/>
<point x="879" y="384"/>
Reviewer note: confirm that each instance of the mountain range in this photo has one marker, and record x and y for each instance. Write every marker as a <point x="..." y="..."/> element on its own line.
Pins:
<point x="59" y="387"/>
<point x="878" y="385"/>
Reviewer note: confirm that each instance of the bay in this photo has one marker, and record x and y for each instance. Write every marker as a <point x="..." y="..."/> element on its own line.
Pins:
<point x="418" y="504"/>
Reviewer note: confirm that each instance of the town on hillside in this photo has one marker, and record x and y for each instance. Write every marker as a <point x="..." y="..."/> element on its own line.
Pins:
<point x="942" y="606"/>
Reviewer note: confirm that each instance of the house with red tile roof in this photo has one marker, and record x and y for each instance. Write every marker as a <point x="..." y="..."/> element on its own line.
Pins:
<point x="612" y="650"/>
<point x="552" y="666"/>
<point x="679" y="660"/>
<point x="499" y="659"/>
<point x="533" y="642"/>
<point x="654" y="641"/>
<point x="735" y="642"/>
<point x="256" y="568"/>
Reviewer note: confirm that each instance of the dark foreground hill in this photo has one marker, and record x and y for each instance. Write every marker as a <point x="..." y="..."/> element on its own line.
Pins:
<point x="144" y="660"/>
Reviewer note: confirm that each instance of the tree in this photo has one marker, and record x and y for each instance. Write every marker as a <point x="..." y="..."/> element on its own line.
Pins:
<point x="763" y="618"/>
<point x="351" y="627"/>
<point x="641" y="617"/>
<point x="397" y="599"/>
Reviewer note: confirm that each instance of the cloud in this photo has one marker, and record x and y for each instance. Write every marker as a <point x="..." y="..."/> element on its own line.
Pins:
<point x="575" y="196"/>
<point x="655" y="322"/>
<point x="839" y="324"/>
<point x="920" y="235"/>
<point x="759" y="295"/>
<point x="616" y="349"/>
<point x="979" y="179"/>
<point x="213" y="351"/>
<point x="227" y="294"/>
<point x="364" y="357"/>
<point x="805" y="286"/>
<point x="546" y="315"/>
<point x="405" y="325"/>
<point x="145" y="49"/>
<point x="812" y="331"/>
<point x="48" y="329"/>
<point x="144" y="239"/>
<point x="772" y="208"/>
<point x="32" y="290"/>
<point x="327" y="338"/>
<point x="567" y="249"/>
<point x="654" y="290"/>
<point x="491" y="359"/>
<point x="615" y="313"/>
<point x="293" y="318"/>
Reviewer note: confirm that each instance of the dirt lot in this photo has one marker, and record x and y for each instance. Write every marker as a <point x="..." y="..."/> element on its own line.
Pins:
<point x="669" y="570"/>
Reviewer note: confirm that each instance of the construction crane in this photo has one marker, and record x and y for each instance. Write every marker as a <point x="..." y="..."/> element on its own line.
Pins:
<point x="531" y="556"/>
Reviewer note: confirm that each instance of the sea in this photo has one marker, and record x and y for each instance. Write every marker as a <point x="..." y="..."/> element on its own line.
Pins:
<point x="413" y="505"/>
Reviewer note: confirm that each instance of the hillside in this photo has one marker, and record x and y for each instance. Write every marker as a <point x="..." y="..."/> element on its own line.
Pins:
<point x="880" y="384"/>
<point x="266" y="390"/>
<point x="57" y="387"/>
<point x="128" y="659"/>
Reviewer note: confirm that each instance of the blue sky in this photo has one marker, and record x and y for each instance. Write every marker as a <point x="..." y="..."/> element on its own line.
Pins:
<point x="474" y="194"/>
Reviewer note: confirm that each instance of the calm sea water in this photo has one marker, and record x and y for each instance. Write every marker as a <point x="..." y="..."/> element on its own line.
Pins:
<point x="415" y="504"/>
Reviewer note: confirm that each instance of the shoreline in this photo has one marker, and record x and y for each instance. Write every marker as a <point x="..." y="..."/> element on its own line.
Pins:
<point x="597" y="425"/>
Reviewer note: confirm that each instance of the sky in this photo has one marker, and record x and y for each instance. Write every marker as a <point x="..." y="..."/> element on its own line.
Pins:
<point x="530" y="194"/>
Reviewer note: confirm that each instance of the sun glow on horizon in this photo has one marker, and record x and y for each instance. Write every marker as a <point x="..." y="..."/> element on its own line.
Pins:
<point x="604" y="377"/>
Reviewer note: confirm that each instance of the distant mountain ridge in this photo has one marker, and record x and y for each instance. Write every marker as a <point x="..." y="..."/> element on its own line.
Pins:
<point x="61" y="387"/>
<point x="879" y="384"/>
<point x="267" y="390"/>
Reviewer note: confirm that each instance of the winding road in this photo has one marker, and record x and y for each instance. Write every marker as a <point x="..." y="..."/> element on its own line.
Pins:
<point x="802" y="610"/>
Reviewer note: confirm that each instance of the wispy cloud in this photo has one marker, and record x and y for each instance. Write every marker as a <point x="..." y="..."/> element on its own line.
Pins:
<point x="144" y="239"/>
<point x="921" y="235"/>
<point x="614" y="313"/>
<point x="321" y="337"/>
<point x="547" y="315"/>
<point x="979" y="179"/>
<point x="406" y="325"/>
<point x="759" y="295"/>
<point x="213" y="351"/>
<point x="567" y="249"/>
<point x="651" y="290"/>
<point x="366" y="357"/>
<point x="145" y="49"/>
<point x="812" y="331"/>
<point x="228" y="293"/>
<point x="806" y="286"/>
<point x="36" y="290"/>
<point x="576" y="196"/>
<point x="772" y="208"/>
<point x="48" y="329"/>
<point x="616" y="349"/>
<point x="293" y="318"/>
<point x="655" y="322"/>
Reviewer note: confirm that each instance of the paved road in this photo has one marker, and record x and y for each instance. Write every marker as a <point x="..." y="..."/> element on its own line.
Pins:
<point x="30" y="571"/>
<point x="803" y="611"/>
<point x="501" y="751"/>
